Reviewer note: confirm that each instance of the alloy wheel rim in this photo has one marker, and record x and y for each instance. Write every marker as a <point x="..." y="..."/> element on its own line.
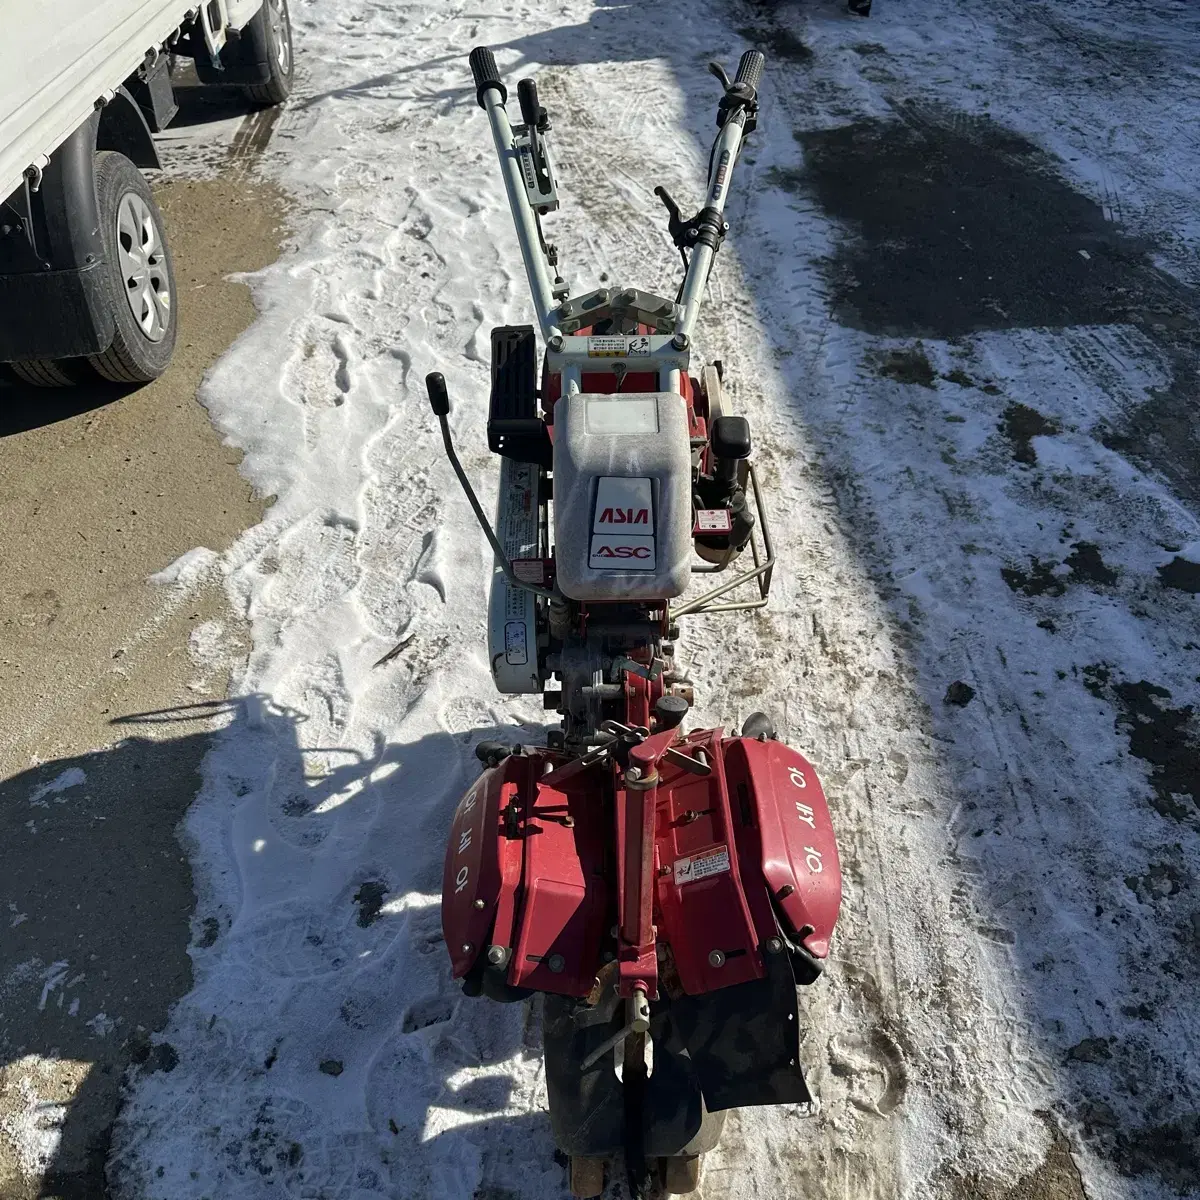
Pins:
<point x="277" y="15"/>
<point x="143" y="263"/>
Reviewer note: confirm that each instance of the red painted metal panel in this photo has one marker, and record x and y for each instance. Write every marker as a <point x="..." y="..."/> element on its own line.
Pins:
<point x="798" y="851"/>
<point x="701" y="899"/>
<point x="472" y="866"/>
<point x="562" y="914"/>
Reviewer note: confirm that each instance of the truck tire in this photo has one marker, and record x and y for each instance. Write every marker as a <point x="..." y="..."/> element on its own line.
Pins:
<point x="139" y="276"/>
<point x="270" y="36"/>
<point x="52" y="372"/>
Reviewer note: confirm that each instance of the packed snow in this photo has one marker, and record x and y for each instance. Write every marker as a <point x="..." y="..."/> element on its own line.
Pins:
<point x="973" y="633"/>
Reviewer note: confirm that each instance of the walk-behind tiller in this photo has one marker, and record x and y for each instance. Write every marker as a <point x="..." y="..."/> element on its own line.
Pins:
<point x="665" y="890"/>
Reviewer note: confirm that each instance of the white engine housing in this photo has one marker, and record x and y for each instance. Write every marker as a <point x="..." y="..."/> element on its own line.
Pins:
<point x="622" y="496"/>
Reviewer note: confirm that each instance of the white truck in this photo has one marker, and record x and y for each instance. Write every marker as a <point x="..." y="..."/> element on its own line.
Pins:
<point x="86" y="282"/>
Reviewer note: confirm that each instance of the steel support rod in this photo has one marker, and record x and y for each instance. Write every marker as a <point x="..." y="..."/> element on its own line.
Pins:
<point x="524" y="218"/>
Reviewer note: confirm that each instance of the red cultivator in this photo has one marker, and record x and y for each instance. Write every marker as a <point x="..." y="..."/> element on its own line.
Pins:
<point x="664" y="890"/>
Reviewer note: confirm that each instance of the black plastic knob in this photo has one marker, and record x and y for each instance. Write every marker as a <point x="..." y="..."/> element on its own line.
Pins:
<point x="439" y="400"/>
<point x="670" y="711"/>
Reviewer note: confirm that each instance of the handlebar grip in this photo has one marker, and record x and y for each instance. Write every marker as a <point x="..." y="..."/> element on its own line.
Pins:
<point x="750" y="68"/>
<point x="486" y="74"/>
<point x="531" y="110"/>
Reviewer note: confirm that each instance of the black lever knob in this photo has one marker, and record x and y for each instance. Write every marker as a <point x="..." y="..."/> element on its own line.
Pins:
<point x="532" y="112"/>
<point x="731" y="437"/>
<point x="670" y="711"/>
<point x="439" y="400"/>
<point x="730" y="441"/>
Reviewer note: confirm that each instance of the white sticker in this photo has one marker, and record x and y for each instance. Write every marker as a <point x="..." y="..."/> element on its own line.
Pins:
<point x="516" y="653"/>
<point x="606" y="347"/>
<point x="701" y="866"/>
<point x="624" y="414"/>
<point x="638" y="347"/>
<point x="621" y="552"/>
<point x="714" y="520"/>
<point x="623" y="505"/>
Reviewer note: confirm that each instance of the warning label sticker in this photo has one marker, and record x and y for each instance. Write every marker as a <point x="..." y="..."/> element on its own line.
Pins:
<point x="606" y="347"/>
<point x="701" y="866"/>
<point x="713" y="520"/>
<point x="516" y="652"/>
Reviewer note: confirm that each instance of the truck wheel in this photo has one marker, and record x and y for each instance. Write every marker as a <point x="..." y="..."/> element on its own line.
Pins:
<point x="52" y="372"/>
<point x="270" y="36"/>
<point x="138" y="274"/>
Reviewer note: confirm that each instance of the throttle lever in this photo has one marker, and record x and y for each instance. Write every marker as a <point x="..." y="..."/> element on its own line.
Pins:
<point x="715" y="68"/>
<point x="676" y="226"/>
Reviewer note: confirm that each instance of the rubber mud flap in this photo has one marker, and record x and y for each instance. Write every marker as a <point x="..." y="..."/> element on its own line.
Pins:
<point x="745" y="1049"/>
<point x="673" y="1111"/>
<point x="587" y="1108"/>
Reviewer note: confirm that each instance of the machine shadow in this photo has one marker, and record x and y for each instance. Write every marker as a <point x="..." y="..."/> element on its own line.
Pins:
<point x="101" y="930"/>
<point x="96" y="895"/>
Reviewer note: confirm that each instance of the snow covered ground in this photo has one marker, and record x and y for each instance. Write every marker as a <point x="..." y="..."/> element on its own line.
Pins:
<point x="958" y="306"/>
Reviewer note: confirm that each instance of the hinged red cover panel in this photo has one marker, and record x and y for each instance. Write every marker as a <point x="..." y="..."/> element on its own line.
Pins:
<point x="562" y="910"/>
<point x="700" y="896"/>
<point x="799" y="853"/>
<point x="472" y="869"/>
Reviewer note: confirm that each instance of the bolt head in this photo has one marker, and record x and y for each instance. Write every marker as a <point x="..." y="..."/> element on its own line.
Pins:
<point x="681" y="341"/>
<point x="556" y="963"/>
<point x="467" y="947"/>
<point x="633" y="773"/>
<point x="479" y="904"/>
<point x="774" y="945"/>
<point x="495" y="955"/>
<point x="716" y="958"/>
<point x="555" y="344"/>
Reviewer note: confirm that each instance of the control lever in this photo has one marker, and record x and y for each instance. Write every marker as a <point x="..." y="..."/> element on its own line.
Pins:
<point x="439" y="402"/>
<point x="741" y="94"/>
<point x="715" y="68"/>
<point x="537" y="122"/>
<point x="637" y="1020"/>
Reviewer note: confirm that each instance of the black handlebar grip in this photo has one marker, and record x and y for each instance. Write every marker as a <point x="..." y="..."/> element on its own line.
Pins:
<point x="486" y="74"/>
<point x="530" y="108"/>
<point x="439" y="400"/>
<point x="750" y="68"/>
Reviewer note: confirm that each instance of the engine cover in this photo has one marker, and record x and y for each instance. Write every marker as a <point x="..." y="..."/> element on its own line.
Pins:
<point x="622" y="496"/>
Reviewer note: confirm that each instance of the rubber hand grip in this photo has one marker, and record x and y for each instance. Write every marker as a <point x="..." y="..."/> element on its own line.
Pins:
<point x="750" y="68"/>
<point x="486" y="74"/>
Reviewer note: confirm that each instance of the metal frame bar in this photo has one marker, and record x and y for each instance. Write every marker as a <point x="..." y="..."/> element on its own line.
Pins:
<point x="537" y="269"/>
<point x="729" y="142"/>
<point x="763" y="569"/>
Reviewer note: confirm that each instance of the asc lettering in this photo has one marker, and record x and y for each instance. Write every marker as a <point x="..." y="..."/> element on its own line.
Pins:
<point x="625" y="516"/>
<point x="623" y="552"/>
